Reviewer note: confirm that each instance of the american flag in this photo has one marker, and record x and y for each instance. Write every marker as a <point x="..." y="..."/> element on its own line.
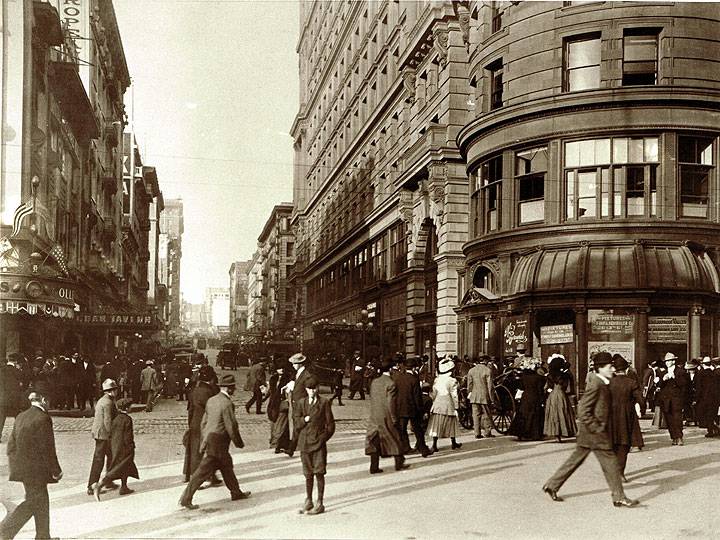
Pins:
<point x="58" y="254"/>
<point x="21" y="213"/>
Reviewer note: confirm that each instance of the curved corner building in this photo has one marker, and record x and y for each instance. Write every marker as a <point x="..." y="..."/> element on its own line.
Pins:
<point x="593" y="166"/>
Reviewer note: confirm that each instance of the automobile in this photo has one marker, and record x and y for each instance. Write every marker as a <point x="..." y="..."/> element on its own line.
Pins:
<point x="227" y="357"/>
<point x="328" y="372"/>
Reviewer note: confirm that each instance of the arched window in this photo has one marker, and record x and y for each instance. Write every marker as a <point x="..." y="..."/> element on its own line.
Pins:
<point x="484" y="279"/>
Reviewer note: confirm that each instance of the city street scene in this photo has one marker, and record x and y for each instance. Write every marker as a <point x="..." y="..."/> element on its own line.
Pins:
<point x="359" y="269"/>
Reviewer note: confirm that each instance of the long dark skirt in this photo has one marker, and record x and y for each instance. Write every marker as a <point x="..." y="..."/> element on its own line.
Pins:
<point x="192" y="454"/>
<point x="280" y="432"/>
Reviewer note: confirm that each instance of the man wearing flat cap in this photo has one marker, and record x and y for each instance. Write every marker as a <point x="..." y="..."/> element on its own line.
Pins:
<point x="219" y="428"/>
<point x="33" y="461"/>
<point x="593" y="435"/>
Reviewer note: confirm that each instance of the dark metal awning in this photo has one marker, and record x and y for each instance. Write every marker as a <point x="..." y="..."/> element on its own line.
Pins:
<point x="74" y="102"/>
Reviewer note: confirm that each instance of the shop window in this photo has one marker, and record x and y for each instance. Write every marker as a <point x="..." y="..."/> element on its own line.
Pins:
<point x="530" y="171"/>
<point x="640" y="56"/>
<point x="611" y="178"/>
<point x="398" y="248"/>
<point x="491" y="182"/>
<point x="695" y="156"/>
<point x="496" y="84"/>
<point x="582" y="63"/>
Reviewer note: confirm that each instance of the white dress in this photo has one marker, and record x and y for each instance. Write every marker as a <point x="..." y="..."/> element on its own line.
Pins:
<point x="443" y="417"/>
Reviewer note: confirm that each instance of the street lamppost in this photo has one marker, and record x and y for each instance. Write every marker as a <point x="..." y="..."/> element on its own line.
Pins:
<point x="363" y="325"/>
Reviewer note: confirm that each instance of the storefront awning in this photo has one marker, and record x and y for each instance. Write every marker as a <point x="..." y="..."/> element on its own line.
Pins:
<point x="615" y="267"/>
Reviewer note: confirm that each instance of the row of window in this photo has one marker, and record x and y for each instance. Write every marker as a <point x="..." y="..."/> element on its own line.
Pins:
<point x="380" y="259"/>
<point x="604" y="178"/>
<point x="582" y="58"/>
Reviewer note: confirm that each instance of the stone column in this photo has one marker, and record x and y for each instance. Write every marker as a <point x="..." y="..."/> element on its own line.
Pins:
<point x="446" y="325"/>
<point x="695" y="314"/>
<point x="581" y="345"/>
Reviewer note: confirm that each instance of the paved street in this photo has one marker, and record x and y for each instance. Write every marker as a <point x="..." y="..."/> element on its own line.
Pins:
<point x="489" y="488"/>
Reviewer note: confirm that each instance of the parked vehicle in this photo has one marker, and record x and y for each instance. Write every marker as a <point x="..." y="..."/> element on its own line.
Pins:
<point x="227" y="357"/>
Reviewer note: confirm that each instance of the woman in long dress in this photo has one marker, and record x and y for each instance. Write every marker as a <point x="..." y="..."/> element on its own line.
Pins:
<point x="625" y="412"/>
<point x="559" y="415"/>
<point x="443" y="414"/>
<point x="528" y="421"/>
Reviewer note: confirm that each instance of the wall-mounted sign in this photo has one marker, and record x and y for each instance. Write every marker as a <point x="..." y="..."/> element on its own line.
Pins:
<point x="557" y="333"/>
<point x="515" y="334"/>
<point x="609" y="323"/>
<point x="624" y="348"/>
<point x="12" y="307"/>
<point x="670" y="329"/>
<point x="37" y="289"/>
<point x="118" y="319"/>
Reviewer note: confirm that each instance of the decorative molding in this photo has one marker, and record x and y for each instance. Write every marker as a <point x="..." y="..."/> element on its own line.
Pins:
<point x="440" y="44"/>
<point x="464" y="20"/>
<point x="408" y="77"/>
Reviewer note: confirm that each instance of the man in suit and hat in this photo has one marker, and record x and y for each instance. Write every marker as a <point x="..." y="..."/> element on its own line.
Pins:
<point x="707" y="397"/>
<point x="673" y="384"/>
<point x="410" y="406"/>
<point x="105" y="411"/>
<point x="480" y="393"/>
<point x="593" y="435"/>
<point x="148" y="385"/>
<point x="356" y="376"/>
<point x="197" y="401"/>
<point x="256" y="379"/>
<point x="296" y="388"/>
<point x="33" y="461"/>
<point x="315" y="425"/>
<point x="11" y="400"/>
<point x="382" y="437"/>
<point x="219" y="428"/>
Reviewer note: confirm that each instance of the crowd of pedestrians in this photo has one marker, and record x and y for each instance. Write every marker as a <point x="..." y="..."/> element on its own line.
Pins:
<point x="607" y="421"/>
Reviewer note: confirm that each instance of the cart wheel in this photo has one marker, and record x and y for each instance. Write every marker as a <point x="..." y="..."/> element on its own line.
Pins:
<point x="503" y="409"/>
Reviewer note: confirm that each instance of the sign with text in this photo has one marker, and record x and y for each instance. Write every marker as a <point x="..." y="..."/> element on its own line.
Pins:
<point x="624" y="348"/>
<point x="76" y="15"/>
<point x="668" y="329"/>
<point x="610" y="323"/>
<point x="515" y="334"/>
<point x="557" y="333"/>
<point x="118" y="319"/>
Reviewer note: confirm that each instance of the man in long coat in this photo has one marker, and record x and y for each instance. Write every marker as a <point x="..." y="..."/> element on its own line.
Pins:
<point x="707" y="396"/>
<point x="256" y="378"/>
<point x="410" y="406"/>
<point x="626" y="399"/>
<point x="33" y="461"/>
<point x="122" y="444"/>
<point x="382" y="437"/>
<point x="197" y="401"/>
<point x="86" y="382"/>
<point x="594" y="436"/>
<point x="480" y="393"/>
<point x="278" y="406"/>
<point x="356" y="376"/>
<point x="219" y="428"/>
<point x="297" y="392"/>
<point x="673" y="382"/>
<point x="148" y="385"/>
<point x="11" y="392"/>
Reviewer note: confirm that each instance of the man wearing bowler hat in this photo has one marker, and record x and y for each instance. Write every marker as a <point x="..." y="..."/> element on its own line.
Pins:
<point x="105" y="412"/>
<point x="33" y="461"/>
<point x="219" y="427"/>
<point x="593" y="435"/>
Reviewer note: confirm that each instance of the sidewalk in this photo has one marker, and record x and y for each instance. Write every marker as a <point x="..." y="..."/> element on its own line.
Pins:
<point x="489" y="488"/>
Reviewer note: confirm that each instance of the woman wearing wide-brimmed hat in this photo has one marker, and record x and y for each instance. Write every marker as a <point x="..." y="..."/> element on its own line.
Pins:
<point x="530" y="417"/>
<point x="443" y="415"/>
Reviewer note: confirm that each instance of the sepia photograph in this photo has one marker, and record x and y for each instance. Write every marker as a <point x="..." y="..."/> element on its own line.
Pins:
<point x="359" y="269"/>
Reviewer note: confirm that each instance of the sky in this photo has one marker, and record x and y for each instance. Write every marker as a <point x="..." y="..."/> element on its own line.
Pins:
<point x="214" y="94"/>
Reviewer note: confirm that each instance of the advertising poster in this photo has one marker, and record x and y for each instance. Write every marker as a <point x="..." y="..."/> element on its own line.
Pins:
<point x="625" y="348"/>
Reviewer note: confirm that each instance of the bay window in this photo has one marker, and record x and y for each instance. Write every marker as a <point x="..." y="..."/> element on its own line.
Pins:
<point x="606" y="178"/>
<point x="530" y="170"/>
<point x="582" y="63"/>
<point x="695" y="156"/>
<point x="491" y="188"/>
